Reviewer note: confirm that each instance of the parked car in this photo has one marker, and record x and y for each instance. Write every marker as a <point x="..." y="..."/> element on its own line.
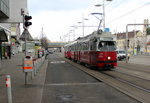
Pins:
<point x="121" y="55"/>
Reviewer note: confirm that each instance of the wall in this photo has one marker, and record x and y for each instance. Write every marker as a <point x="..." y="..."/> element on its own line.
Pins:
<point x="15" y="11"/>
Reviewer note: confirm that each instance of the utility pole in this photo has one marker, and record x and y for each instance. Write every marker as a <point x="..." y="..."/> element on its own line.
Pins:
<point x="103" y="15"/>
<point x="103" y="12"/>
<point x="42" y="37"/>
<point x="83" y="25"/>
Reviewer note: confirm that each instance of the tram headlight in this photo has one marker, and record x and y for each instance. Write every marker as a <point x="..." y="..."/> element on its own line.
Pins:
<point x="108" y="58"/>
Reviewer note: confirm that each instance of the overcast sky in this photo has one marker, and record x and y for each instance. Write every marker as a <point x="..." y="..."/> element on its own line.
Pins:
<point x="57" y="16"/>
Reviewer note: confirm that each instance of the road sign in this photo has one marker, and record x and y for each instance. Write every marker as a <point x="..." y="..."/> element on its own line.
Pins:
<point x="26" y="35"/>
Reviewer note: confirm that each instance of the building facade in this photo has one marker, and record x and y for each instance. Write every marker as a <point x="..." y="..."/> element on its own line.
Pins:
<point x="10" y="10"/>
<point x="4" y="9"/>
<point x="138" y="43"/>
<point x="10" y="19"/>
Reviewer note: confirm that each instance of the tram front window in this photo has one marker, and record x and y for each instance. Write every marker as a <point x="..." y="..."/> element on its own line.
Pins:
<point x="107" y="46"/>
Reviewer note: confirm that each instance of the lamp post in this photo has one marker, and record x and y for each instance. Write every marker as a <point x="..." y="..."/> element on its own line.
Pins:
<point x="83" y="24"/>
<point x="98" y="5"/>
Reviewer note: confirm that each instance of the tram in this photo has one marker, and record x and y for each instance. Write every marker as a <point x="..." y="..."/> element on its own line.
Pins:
<point x="97" y="49"/>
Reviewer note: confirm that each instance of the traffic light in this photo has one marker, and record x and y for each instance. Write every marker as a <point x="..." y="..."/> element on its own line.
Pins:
<point x="148" y="31"/>
<point x="26" y="22"/>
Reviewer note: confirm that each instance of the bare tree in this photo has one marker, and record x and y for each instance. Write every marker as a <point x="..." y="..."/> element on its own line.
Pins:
<point x="44" y="42"/>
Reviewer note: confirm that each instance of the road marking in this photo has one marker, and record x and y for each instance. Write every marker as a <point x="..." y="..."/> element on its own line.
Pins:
<point x="57" y="62"/>
<point x="72" y="84"/>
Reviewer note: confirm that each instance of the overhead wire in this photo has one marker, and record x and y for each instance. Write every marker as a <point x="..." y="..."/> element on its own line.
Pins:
<point x="128" y="13"/>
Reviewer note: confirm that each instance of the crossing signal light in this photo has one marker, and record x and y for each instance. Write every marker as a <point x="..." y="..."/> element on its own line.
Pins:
<point x="27" y="22"/>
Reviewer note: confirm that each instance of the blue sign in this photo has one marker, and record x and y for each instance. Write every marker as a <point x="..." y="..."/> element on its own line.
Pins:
<point x="107" y="30"/>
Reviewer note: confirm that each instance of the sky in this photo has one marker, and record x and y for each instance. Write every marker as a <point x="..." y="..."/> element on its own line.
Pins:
<point x="59" y="19"/>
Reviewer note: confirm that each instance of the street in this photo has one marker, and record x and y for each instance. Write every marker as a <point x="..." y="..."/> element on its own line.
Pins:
<point x="74" y="51"/>
<point x="61" y="82"/>
<point x="67" y="84"/>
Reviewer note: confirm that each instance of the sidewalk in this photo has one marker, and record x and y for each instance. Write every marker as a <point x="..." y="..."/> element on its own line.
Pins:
<point x="140" y="59"/>
<point x="31" y="93"/>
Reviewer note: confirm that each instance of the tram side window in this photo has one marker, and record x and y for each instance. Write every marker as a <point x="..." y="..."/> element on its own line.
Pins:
<point x="84" y="46"/>
<point x="87" y="45"/>
<point x="72" y="47"/>
<point x="78" y="46"/>
<point x="81" y="46"/>
<point x="69" y="48"/>
<point x="75" y="47"/>
<point x="93" y="45"/>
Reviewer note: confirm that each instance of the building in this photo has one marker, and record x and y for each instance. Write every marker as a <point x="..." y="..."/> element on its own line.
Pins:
<point x="10" y="10"/>
<point x="135" y="41"/>
<point x="138" y="43"/>
<point x="10" y="19"/>
<point x="4" y="9"/>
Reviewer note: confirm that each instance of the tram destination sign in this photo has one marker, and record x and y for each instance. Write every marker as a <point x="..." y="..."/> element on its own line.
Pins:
<point x="106" y="38"/>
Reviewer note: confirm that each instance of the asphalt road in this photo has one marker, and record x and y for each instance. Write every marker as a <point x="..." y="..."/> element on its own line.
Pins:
<point x="66" y="84"/>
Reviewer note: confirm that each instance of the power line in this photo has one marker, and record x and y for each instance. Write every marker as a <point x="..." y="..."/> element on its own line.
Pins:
<point x="114" y="5"/>
<point x="130" y="12"/>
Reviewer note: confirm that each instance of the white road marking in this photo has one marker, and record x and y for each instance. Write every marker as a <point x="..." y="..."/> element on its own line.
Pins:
<point x="57" y="62"/>
<point x="71" y="84"/>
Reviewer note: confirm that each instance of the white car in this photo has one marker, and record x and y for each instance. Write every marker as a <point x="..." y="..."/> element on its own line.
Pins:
<point x="121" y="54"/>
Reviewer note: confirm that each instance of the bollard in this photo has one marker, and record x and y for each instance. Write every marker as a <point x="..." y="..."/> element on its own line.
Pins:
<point x="8" y="85"/>
<point x="35" y="68"/>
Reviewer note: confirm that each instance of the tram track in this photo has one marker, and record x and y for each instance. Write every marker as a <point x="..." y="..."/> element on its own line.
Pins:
<point x="132" y="81"/>
<point x="137" y="67"/>
<point x="137" y="74"/>
<point x="137" y="92"/>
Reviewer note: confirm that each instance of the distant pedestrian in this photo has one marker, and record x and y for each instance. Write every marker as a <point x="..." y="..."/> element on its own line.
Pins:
<point x="9" y="54"/>
<point x="6" y="55"/>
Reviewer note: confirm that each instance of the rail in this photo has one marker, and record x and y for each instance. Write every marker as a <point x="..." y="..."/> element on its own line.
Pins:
<point x="128" y="88"/>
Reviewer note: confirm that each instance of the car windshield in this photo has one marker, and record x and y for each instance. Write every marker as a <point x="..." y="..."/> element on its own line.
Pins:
<point x="121" y="52"/>
<point x="107" y="45"/>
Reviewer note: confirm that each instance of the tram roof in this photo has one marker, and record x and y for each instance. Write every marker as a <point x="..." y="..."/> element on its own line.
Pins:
<point x="97" y="34"/>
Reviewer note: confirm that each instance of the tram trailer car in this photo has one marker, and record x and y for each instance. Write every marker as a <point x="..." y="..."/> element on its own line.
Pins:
<point x="97" y="49"/>
<point x="67" y="52"/>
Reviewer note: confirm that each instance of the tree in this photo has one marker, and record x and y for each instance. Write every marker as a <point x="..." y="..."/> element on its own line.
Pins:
<point x="148" y="31"/>
<point x="44" y="42"/>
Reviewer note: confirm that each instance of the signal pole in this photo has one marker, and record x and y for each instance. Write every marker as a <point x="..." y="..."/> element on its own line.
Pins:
<point x="127" y="39"/>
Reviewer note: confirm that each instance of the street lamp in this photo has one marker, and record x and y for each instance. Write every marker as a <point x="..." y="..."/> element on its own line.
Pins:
<point x="83" y="24"/>
<point x="98" y="5"/>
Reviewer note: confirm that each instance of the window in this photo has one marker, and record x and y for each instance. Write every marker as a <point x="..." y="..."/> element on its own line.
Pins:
<point x="107" y="46"/>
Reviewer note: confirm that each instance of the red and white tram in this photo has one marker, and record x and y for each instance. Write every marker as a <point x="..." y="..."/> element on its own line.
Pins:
<point x="96" y="49"/>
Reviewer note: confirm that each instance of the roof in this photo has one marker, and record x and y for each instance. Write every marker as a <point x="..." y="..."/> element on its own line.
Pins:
<point x="123" y="35"/>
